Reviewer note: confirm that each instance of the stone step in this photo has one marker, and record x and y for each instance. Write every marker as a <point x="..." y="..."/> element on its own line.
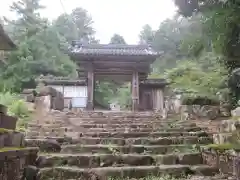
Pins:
<point x="143" y="134"/>
<point x="126" y="129"/>
<point x="105" y="121"/>
<point x="128" y="149"/>
<point x="85" y="133"/>
<point x="11" y="138"/>
<point x="122" y="141"/>
<point x="45" y="134"/>
<point x="96" y="130"/>
<point x="118" y="160"/>
<point x="144" y="140"/>
<point x="60" y="140"/>
<point x="62" y="172"/>
<point x="137" y="125"/>
<point x="46" y="122"/>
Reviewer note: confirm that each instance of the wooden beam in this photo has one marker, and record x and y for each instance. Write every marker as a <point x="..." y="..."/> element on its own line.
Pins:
<point x="108" y="68"/>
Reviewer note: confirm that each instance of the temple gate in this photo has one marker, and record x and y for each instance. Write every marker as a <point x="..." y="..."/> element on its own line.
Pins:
<point x="118" y="62"/>
<point x="114" y="61"/>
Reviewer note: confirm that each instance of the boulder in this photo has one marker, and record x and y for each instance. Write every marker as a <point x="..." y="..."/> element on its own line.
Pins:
<point x="46" y="90"/>
<point x="45" y="145"/>
<point x="30" y="173"/>
<point x="8" y="122"/>
<point x="190" y="159"/>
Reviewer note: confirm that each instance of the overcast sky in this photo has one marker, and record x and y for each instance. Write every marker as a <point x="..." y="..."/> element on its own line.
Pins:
<point x="125" y="17"/>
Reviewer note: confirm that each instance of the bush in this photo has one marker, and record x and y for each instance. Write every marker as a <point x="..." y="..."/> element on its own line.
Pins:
<point x="16" y="107"/>
<point x="200" y="100"/>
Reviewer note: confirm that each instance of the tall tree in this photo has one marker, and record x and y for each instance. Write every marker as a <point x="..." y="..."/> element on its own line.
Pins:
<point x="75" y="26"/>
<point x="39" y="48"/>
<point x="222" y="26"/>
<point x="147" y="35"/>
<point x="117" y="39"/>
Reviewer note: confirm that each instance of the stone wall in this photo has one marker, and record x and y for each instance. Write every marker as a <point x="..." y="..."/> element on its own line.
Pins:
<point x="14" y="162"/>
<point x="224" y="153"/>
<point x="229" y="132"/>
<point x="15" y="158"/>
<point x="227" y="162"/>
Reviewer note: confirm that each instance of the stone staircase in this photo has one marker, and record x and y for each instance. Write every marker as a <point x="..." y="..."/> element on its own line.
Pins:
<point x="117" y="145"/>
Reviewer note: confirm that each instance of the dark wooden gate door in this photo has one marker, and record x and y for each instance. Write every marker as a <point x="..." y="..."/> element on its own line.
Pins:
<point x="148" y="101"/>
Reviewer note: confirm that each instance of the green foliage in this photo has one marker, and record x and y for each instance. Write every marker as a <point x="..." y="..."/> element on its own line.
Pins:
<point x="40" y="49"/>
<point x="123" y="96"/>
<point x="75" y="26"/>
<point x="188" y="61"/>
<point x="104" y="92"/>
<point x="16" y="107"/>
<point x="200" y="77"/>
<point x="221" y="24"/>
<point x="117" y="39"/>
<point x="199" y="100"/>
<point x="19" y="109"/>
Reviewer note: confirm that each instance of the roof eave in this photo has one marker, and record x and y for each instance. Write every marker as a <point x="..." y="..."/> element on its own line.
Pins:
<point x="8" y="43"/>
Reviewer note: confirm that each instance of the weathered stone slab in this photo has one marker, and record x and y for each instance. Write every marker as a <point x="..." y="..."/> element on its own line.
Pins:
<point x="11" y="139"/>
<point x="13" y="161"/>
<point x="190" y="159"/>
<point x="225" y="161"/>
<point x="8" y="122"/>
<point x="137" y="172"/>
<point x="144" y="134"/>
<point x="110" y="149"/>
<point x="45" y="145"/>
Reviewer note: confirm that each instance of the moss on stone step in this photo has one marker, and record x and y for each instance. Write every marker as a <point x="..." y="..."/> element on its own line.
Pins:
<point x="224" y="147"/>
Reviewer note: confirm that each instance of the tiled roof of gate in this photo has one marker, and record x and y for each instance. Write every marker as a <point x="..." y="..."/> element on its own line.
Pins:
<point x="112" y="49"/>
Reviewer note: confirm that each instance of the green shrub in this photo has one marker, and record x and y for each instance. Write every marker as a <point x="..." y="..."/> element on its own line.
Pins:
<point x="200" y="100"/>
<point x="16" y="107"/>
<point x="19" y="109"/>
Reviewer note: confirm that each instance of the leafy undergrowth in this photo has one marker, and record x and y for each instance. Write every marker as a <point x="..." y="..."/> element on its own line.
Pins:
<point x="16" y="107"/>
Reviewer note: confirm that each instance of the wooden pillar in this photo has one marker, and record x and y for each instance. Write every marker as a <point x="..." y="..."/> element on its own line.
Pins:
<point x="90" y="89"/>
<point x="140" y="98"/>
<point x="135" y="91"/>
<point x="159" y="106"/>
